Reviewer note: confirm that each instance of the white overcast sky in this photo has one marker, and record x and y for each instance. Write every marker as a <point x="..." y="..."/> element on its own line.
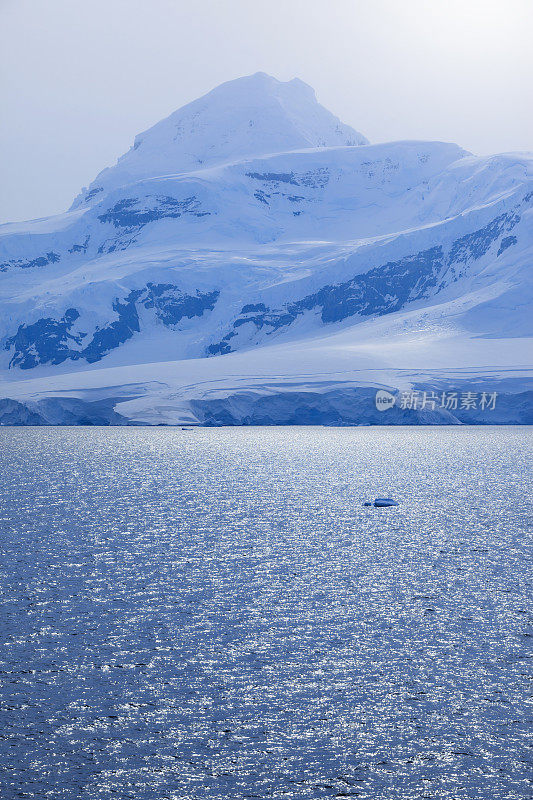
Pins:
<point x="79" y="78"/>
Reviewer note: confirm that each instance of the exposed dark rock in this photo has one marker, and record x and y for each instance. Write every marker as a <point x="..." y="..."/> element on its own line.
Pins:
<point x="506" y="242"/>
<point x="93" y="192"/>
<point x="80" y="248"/>
<point x="172" y="306"/>
<point x="40" y="261"/>
<point x="475" y="245"/>
<point x="130" y="213"/>
<point x="46" y="341"/>
<point x="313" y="179"/>
<point x="273" y="177"/>
<point x="381" y="290"/>
<point x="49" y="341"/>
<point x="117" y="332"/>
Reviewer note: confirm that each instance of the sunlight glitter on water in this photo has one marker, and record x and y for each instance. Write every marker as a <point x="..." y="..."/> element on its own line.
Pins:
<point x="214" y="614"/>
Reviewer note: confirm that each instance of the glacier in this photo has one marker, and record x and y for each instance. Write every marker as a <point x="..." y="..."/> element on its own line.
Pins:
<point x="253" y="260"/>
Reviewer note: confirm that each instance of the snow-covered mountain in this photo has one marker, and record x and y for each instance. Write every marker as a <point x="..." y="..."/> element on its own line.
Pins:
<point x="252" y="259"/>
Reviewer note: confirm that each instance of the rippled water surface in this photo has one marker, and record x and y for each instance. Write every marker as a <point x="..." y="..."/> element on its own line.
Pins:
<point x="214" y="614"/>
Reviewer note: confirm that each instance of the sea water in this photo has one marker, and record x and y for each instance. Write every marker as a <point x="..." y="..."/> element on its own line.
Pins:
<point x="213" y="613"/>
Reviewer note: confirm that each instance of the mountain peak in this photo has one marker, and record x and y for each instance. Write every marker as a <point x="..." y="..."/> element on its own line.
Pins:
<point x="263" y="82"/>
<point x="251" y="116"/>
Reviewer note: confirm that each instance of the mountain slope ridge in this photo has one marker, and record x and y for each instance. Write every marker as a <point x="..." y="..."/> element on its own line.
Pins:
<point x="250" y="116"/>
<point x="368" y="255"/>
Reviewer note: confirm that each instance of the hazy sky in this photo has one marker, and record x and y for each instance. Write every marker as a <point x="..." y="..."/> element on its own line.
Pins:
<point x="81" y="77"/>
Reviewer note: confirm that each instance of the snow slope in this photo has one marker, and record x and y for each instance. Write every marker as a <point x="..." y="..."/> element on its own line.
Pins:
<point x="252" y="259"/>
<point x="252" y="116"/>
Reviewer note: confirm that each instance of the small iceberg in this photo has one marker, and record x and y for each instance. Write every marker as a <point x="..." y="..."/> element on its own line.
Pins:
<point x="382" y="502"/>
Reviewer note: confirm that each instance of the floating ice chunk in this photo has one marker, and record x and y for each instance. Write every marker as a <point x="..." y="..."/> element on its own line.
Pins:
<point x="384" y="502"/>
